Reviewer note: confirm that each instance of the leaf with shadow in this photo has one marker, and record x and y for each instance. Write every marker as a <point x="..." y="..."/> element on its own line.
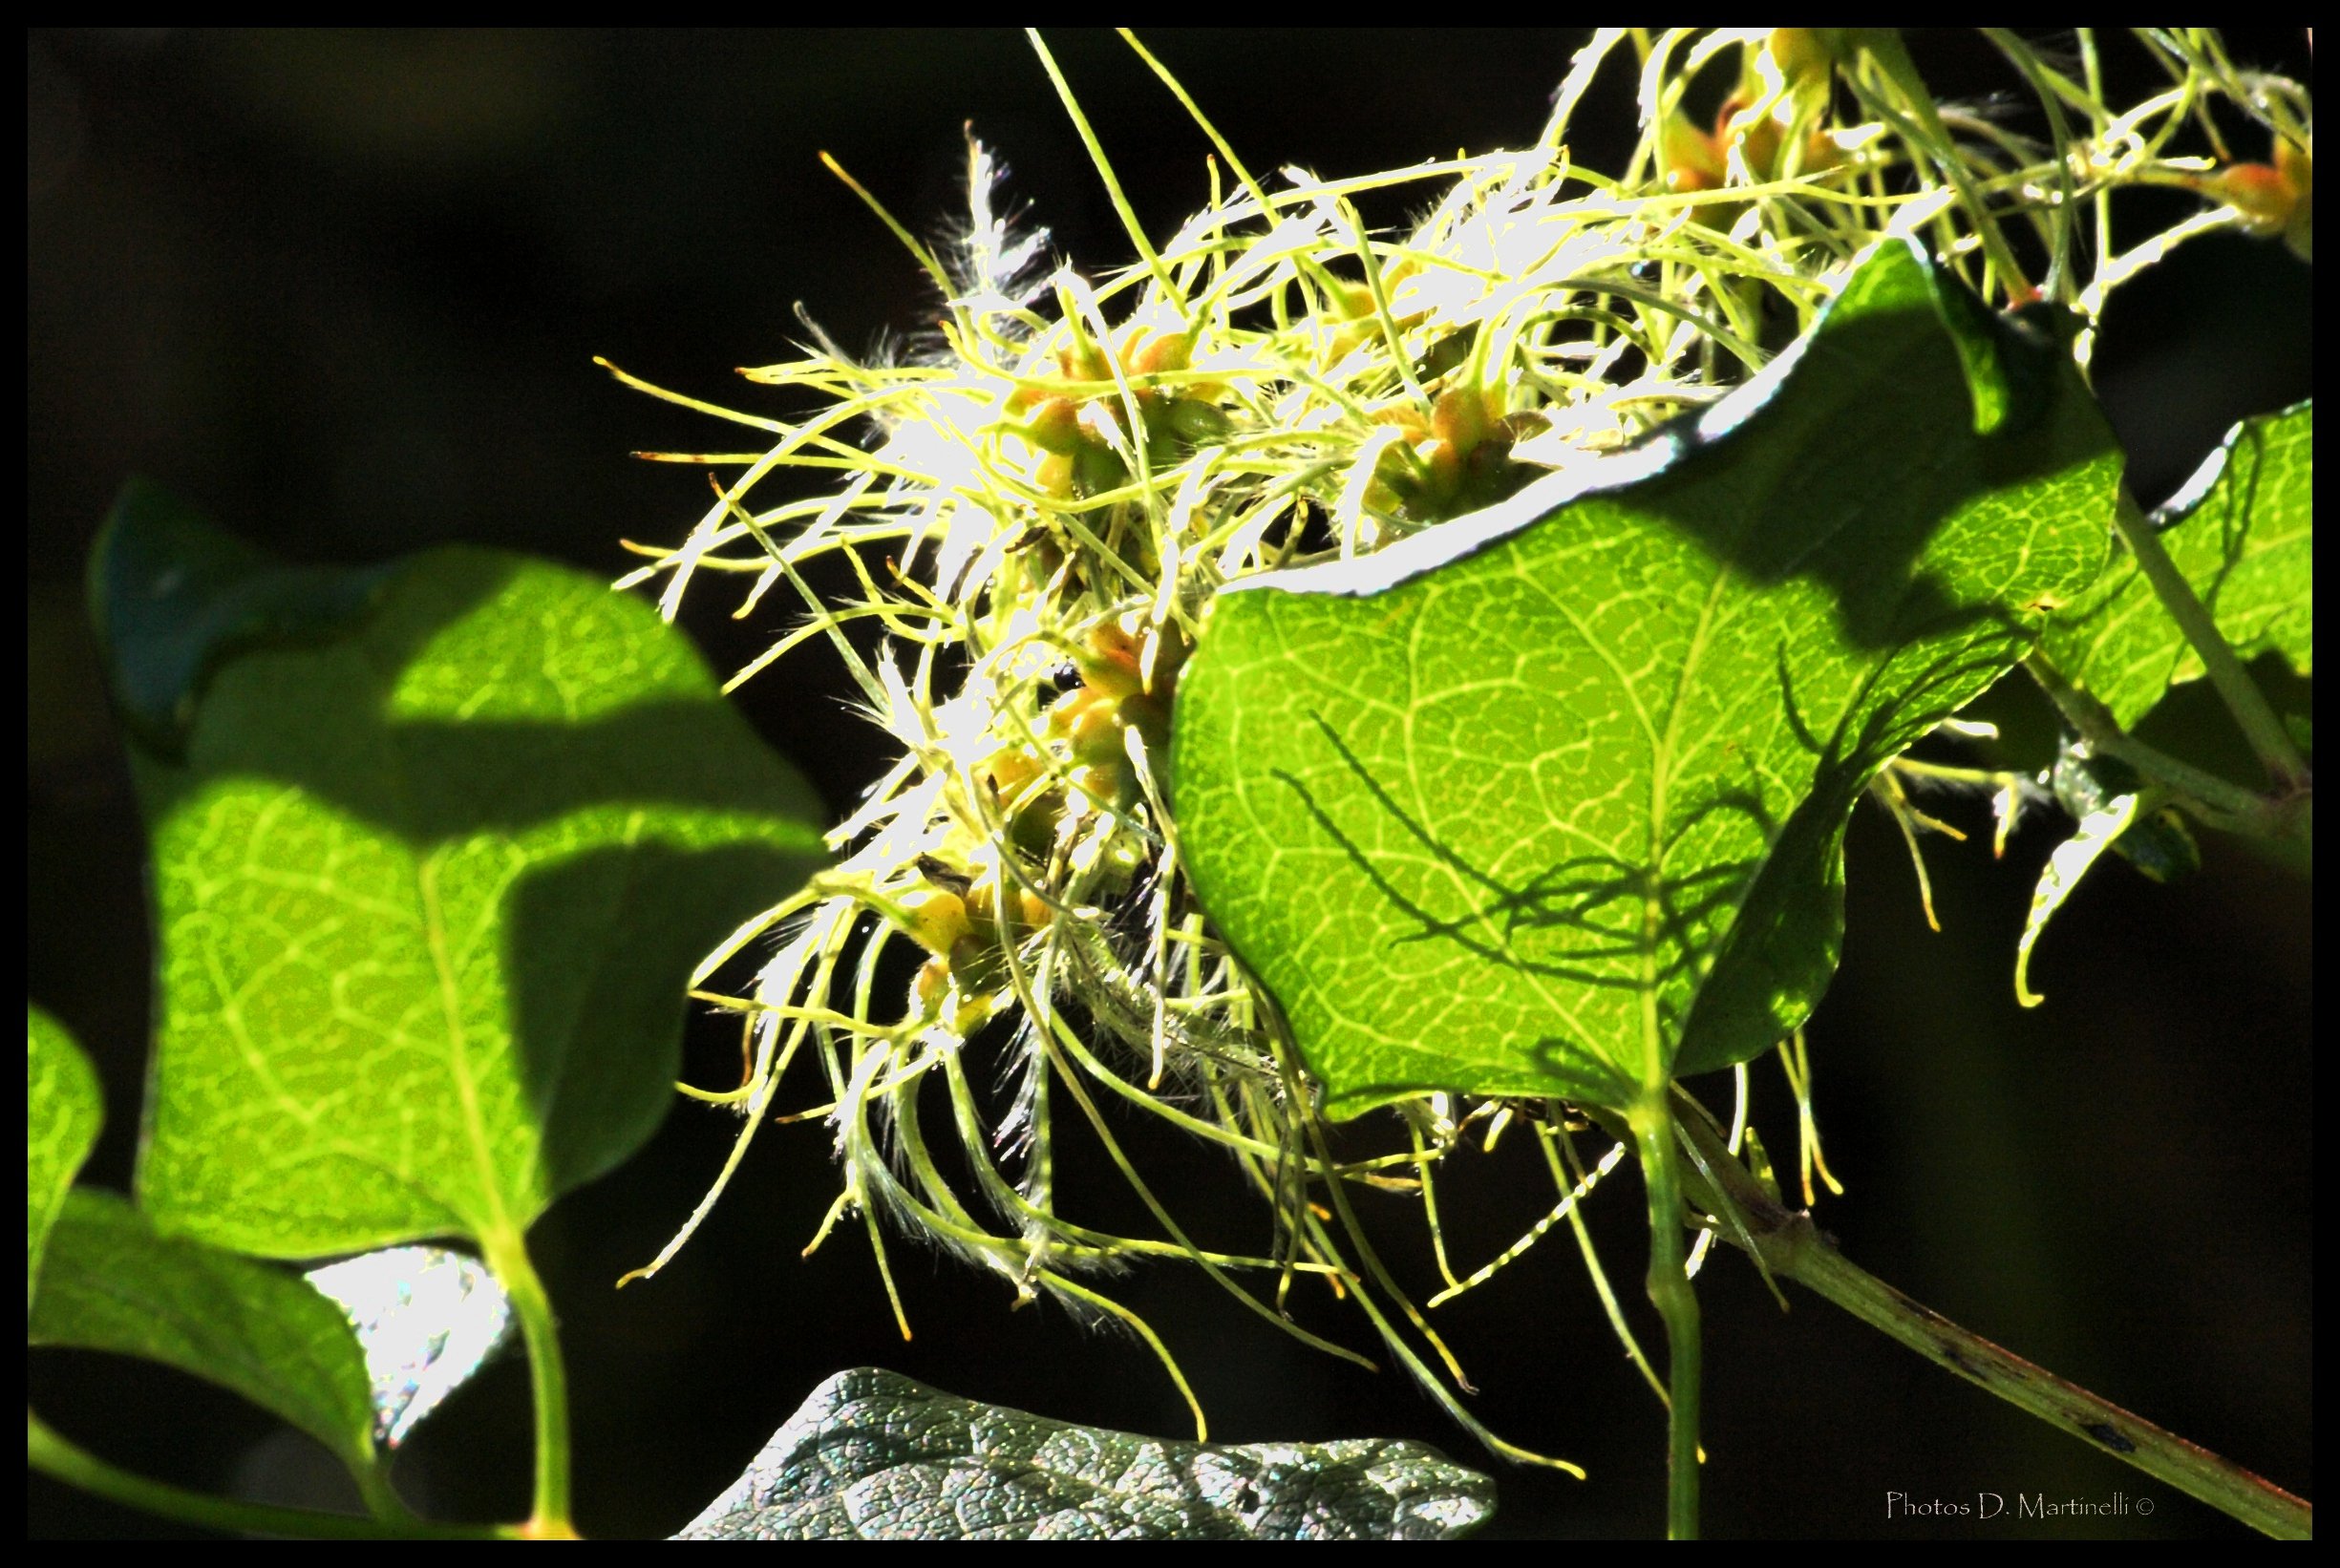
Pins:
<point x="115" y="1284"/>
<point x="63" y="1111"/>
<point x="1551" y="800"/>
<point x="429" y="874"/>
<point x="2242" y="532"/>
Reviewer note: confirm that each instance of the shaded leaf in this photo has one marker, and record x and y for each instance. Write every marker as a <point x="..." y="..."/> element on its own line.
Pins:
<point x="111" y="1283"/>
<point x="429" y="880"/>
<point x="2242" y="531"/>
<point x="426" y="1320"/>
<point x="64" y="1108"/>
<point x="173" y="597"/>
<point x="1551" y="800"/>
<point x="873" y="1456"/>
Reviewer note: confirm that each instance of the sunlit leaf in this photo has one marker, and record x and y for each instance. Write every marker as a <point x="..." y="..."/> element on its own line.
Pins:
<point x="63" y="1109"/>
<point x="2241" y="530"/>
<point x="433" y="862"/>
<point x="1551" y="801"/>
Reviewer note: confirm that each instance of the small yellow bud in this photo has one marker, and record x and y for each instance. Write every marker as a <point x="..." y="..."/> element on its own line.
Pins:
<point x="1109" y="661"/>
<point x="1054" y="425"/>
<point x="1691" y="161"/>
<point x="935" y="920"/>
<point x="1162" y="351"/>
<point x="1088" y="720"/>
<point x="1460" y="417"/>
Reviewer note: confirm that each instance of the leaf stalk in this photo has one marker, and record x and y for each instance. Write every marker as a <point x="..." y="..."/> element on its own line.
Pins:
<point x="1790" y="1247"/>
<point x="507" y="1255"/>
<point x="53" y="1454"/>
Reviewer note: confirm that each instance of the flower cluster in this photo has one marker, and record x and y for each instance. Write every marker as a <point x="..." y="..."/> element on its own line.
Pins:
<point x="1039" y="510"/>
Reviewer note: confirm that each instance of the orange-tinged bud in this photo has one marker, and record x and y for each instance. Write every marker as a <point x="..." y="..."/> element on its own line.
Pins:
<point x="1759" y="147"/>
<point x="1088" y="721"/>
<point x="1162" y="352"/>
<point x="2258" y="192"/>
<point x="1461" y="419"/>
<point x="1054" y="425"/>
<point x="1109" y="661"/>
<point x="1082" y="360"/>
<point x="1010" y="771"/>
<point x="933" y="986"/>
<point x="1069" y="710"/>
<point x="1691" y="161"/>
<point x="1107" y="786"/>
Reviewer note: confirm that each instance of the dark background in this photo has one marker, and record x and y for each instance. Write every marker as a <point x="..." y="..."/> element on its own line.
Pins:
<point x="342" y="290"/>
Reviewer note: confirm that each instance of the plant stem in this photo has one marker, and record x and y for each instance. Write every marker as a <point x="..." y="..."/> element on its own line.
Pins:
<point x="1677" y="1305"/>
<point x="2217" y="802"/>
<point x="2241" y="695"/>
<point x="507" y="1254"/>
<point x="2196" y="1471"/>
<point x="53" y="1454"/>
<point x="1790" y="1247"/>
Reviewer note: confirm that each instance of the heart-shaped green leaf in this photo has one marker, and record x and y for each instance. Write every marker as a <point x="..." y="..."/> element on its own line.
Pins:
<point x="873" y="1456"/>
<point x="111" y="1283"/>
<point x="431" y="870"/>
<point x="2242" y="532"/>
<point x="63" y="1111"/>
<point x="1551" y="800"/>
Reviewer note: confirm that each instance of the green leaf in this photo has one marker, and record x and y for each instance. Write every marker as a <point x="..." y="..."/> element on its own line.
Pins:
<point x="1551" y="800"/>
<point x="174" y="598"/>
<point x="2241" y="530"/>
<point x="64" y="1108"/>
<point x="111" y="1283"/>
<point x="429" y="881"/>
<point x="873" y="1456"/>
